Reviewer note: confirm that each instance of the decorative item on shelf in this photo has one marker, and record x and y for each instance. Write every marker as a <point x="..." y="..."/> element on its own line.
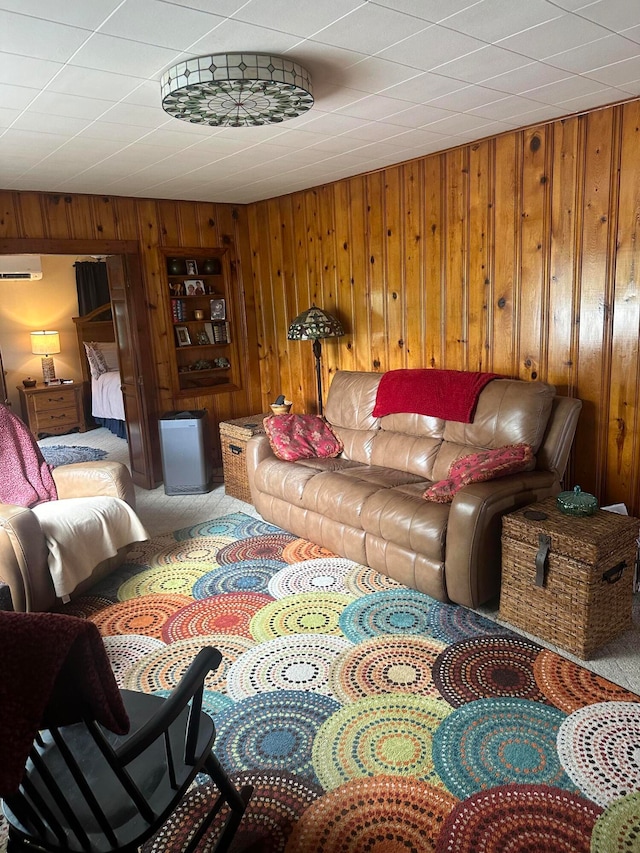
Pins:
<point x="191" y="267"/>
<point x="222" y="362"/>
<point x="281" y="406"/>
<point x="314" y="325"/>
<point x="577" y="502"/>
<point x="198" y="314"/>
<point x="45" y="344"/>
<point x="175" y="266"/>
<point x="194" y="287"/>
<point x="201" y="338"/>
<point x="182" y="335"/>
<point x="29" y="382"/>
<point x="236" y="90"/>
<point x="177" y="288"/>
<point x="218" y="309"/>
<point x="211" y="266"/>
<point x="201" y="364"/>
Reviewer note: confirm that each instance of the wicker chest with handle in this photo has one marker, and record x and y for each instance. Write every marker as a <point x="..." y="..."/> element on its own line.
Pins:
<point x="234" y="436"/>
<point x="568" y="580"/>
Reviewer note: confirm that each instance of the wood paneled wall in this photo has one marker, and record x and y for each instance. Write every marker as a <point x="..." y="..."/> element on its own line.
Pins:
<point x="518" y="254"/>
<point x="29" y="217"/>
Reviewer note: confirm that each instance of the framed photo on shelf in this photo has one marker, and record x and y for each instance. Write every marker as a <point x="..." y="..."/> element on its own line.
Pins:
<point x="192" y="267"/>
<point x="194" y="287"/>
<point x="218" y="309"/>
<point x="182" y="334"/>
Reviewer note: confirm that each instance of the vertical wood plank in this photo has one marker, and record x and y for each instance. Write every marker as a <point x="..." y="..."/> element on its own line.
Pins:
<point x="395" y="276"/>
<point x="506" y="260"/>
<point x="435" y="241"/>
<point x="455" y="306"/>
<point x="415" y="265"/>
<point x="479" y="280"/>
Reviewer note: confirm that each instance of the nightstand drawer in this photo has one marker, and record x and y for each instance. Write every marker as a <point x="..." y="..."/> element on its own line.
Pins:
<point x="61" y="398"/>
<point x="67" y="417"/>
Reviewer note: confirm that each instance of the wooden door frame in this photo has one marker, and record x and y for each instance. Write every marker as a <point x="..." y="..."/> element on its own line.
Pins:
<point x="47" y="246"/>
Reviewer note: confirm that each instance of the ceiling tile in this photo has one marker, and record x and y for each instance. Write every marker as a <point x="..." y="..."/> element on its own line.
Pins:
<point x="458" y="123"/>
<point x="614" y="14"/>
<point x="554" y="36"/>
<point x="424" y="87"/>
<point x="16" y="97"/>
<point x="526" y="77"/>
<point x="467" y="98"/>
<point x="482" y="64"/>
<point x="377" y="76"/>
<point x="373" y="107"/>
<point x="31" y="120"/>
<point x="8" y="116"/>
<point x="432" y="47"/>
<point x="135" y="116"/>
<point x="572" y="87"/>
<point x="88" y="14"/>
<point x="27" y="71"/>
<point x="90" y="83"/>
<point x="369" y="29"/>
<point x="633" y="33"/>
<point x="491" y="20"/>
<point x="74" y="106"/>
<point x="131" y="58"/>
<point x="123" y="133"/>
<point x="302" y="19"/>
<point x="506" y="108"/>
<point x="618" y="73"/>
<point x="604" y="97"/>
<point x="604" y="51"/>
<point x="27" y="36"/>
<point x="161" y="24"/>
<point x="236" y="35"/>
<point x="428" y="10"/>
<point x="418" y="115"/>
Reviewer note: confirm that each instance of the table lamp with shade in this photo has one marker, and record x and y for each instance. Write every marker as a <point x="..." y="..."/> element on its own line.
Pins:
<point x="46" y="344"/>
<point x="315" y="324"/>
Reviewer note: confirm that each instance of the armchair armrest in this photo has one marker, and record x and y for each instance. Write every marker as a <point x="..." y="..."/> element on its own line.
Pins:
<point x="92" y="479"/>
<point x="24" y="559"/>
<point x="474" y="530"/>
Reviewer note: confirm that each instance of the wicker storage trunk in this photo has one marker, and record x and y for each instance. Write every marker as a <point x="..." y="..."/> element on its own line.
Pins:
<point x="568" y="580"/>
<point x="234" y="436"/>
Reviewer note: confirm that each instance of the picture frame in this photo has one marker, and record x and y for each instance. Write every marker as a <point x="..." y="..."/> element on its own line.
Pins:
<point x="218" y="309"/>
<point x="194" y="287"/>
<point x="183" y="337"/>
<point x="192" y="267"/>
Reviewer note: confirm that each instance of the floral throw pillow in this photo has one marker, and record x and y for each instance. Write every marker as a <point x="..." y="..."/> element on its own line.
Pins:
<point x="481" y="466"/>
<point x="301" y="437"/>
<point x="97" y="363"/>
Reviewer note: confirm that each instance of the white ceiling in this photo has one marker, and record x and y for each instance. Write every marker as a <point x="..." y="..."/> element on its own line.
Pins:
<point x="393" y="79"/>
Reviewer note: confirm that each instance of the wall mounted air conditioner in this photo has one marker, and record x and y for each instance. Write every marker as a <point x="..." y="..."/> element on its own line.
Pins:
<point x="20" y="268"/>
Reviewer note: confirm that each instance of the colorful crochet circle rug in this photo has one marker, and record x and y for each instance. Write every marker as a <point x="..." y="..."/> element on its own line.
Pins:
<point x="366" y="715"/>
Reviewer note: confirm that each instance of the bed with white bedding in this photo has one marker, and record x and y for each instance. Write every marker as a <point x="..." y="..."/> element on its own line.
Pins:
<point x="99" y="359"/>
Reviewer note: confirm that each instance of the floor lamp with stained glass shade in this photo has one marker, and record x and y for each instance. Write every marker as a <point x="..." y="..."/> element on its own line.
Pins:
<point x="314" y="324"/>
<point x="46" y="344"/>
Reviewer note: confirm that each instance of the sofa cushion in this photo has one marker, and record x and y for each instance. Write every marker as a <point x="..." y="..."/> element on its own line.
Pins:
<point x="341" y="495"/>
<point x="349" y="408"/>
<point x="301" y="437"/>
<point x="509" y="411"/>
<point x="400" y="515"/>
<point x="479" y="467"/>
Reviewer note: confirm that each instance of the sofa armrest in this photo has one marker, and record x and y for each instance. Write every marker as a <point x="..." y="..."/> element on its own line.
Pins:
<point x="24" y="559"/>
<point x="474" y="530"/>
<point x="93" y="479"/>
<point x="258" y="449"/>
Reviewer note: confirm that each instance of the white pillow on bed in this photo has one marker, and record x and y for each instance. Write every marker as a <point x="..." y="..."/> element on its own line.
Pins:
<point x="109" y="350"/>
<point x="97" y="363"/>
<point x="102" y="357"/>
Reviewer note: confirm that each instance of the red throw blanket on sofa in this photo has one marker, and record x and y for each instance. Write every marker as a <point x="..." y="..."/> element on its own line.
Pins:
<point x="448" y="394"/>
<point x="25" y="477"/>
<point x="53" y="669"/>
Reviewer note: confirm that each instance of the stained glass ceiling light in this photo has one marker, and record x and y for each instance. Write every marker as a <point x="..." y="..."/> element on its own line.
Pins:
<point x="236" y="90"/>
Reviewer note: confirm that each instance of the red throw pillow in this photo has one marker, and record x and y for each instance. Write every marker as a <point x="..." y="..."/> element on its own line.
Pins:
<point x="481" y="466"/>
<point x="301" y="437"/>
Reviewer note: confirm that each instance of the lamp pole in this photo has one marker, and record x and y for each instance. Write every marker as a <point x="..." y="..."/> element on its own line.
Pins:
<point x="317" y="351"/>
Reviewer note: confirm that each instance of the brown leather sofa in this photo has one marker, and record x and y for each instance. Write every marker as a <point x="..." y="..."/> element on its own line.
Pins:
<point x="367" y="504"/>
<point x="23" y="548"/>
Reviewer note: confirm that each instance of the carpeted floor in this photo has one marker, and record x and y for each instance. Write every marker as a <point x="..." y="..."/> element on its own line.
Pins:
<point x="370" y="717"/>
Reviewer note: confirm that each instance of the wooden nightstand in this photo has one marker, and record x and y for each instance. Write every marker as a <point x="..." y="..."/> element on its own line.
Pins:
<point x="53" y="409"/>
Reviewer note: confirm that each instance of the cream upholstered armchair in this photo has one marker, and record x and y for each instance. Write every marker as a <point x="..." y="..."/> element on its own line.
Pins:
<point x="90" y="525"/>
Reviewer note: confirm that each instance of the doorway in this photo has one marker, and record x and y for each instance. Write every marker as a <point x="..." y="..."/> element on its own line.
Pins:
<point x="132" y="330"/>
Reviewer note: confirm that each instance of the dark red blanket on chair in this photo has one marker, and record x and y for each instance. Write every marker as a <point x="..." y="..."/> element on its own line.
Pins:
<point x="25" y="478"/>
<point x="54" y="669"/>
<point x="448" y="394"/>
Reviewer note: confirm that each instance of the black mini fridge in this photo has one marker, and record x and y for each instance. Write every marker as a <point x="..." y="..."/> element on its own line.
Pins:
<point x="186" y="452"/>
